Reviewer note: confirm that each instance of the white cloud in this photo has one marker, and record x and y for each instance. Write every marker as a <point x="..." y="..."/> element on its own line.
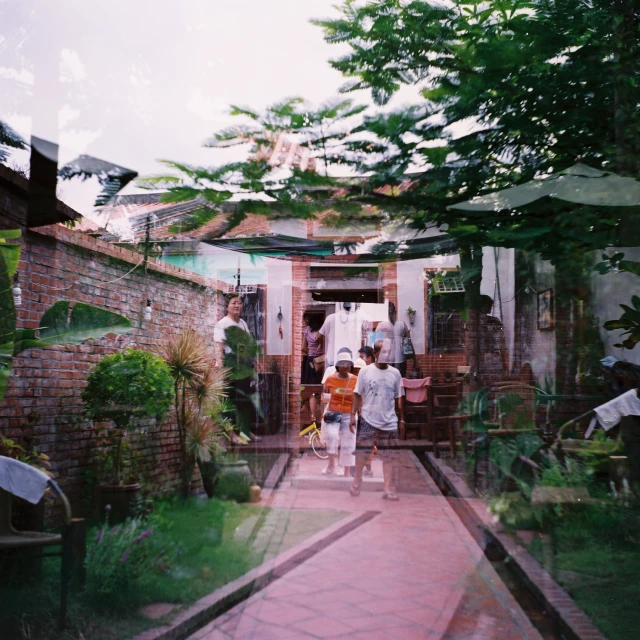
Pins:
<point x="71" y="67"/>
<point x="23" y="76"/>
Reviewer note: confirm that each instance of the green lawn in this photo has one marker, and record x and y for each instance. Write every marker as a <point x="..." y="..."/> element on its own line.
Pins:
<point x="220" y="542"/>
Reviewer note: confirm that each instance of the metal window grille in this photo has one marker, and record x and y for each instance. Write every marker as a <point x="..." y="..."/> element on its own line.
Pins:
<point x="448" y="284"/>
<point x="446" y="328"/>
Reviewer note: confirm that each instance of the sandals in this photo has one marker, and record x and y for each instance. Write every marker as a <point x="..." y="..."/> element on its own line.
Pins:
<point x="390" y="495"/>
<point x="354" y="490"/>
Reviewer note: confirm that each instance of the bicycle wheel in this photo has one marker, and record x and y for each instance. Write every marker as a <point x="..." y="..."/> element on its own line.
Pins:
<point x="318" y="446"/>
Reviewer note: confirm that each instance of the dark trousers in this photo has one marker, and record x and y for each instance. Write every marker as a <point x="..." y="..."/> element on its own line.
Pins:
<point x="401" y="367"/>
<point x="243" y="393"/>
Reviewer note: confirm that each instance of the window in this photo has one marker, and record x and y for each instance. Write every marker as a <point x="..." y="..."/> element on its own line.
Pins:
<point x="446" y="328"/>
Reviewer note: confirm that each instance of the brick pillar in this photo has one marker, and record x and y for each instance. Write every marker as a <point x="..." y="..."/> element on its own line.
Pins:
<point x="300" y="276"/>
<point x="389" y="275"/>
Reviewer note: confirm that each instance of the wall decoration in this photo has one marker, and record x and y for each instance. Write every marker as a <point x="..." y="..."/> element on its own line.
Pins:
<point x="545" y="310"/>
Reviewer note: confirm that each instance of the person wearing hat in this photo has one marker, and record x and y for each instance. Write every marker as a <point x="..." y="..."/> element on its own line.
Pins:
<point x="339" y="388"/>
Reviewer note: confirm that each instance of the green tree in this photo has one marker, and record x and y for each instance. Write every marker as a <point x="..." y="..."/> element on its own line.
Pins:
<point x="297" y="189"/>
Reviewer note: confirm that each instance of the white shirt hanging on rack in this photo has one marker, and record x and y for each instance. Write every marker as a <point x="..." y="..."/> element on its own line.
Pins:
<point x="348" y="327"/>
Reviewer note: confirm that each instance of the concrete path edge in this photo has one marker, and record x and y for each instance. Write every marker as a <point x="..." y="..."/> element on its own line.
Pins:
<point x="563" y="609"/>
<point x="217" y="602"/>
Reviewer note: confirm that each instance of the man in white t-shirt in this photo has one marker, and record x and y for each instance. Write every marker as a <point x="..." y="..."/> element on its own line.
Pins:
<point x="378" y="390"/>
<point x="396" y="331"/>
<point x="243" y="387"/>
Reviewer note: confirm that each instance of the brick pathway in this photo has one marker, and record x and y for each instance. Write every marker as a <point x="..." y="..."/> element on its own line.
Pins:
<point x="413" y="571"/>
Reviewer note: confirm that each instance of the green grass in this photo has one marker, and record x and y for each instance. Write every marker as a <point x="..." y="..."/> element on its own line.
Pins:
<point x="217" y="547"/>
<point x="598" y="563"/>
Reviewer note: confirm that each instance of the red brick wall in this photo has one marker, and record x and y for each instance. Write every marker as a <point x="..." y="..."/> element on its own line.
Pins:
<point x="59" y="264"/>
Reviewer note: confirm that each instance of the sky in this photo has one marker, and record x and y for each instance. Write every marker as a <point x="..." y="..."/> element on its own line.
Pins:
<point x="134" y="81"/>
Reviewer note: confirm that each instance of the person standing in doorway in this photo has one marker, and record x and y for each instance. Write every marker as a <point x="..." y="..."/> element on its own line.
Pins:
<point x="378" y="391"/>
<point x="236" y="349"/>
<point x="311" y="348"/>
<point x="397" y="332"/>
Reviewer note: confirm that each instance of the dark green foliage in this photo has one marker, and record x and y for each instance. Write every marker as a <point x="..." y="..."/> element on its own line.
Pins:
<point x="540" y="84"/>
<point x="630" y="322"/>
<point x="134" y="380"/>
<point x="244" y="350"/>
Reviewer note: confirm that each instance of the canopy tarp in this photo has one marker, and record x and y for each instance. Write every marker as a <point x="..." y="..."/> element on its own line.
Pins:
<point x="579" y="184"/>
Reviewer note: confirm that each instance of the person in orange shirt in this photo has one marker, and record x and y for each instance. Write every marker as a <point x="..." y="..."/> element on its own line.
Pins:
<point x="339" y="388"/>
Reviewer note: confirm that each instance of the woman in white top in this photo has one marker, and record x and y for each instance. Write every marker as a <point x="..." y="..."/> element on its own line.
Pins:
<point x="243" y="387"/>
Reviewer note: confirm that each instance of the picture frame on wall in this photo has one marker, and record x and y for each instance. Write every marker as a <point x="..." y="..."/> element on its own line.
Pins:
<point x="545" y="310"/>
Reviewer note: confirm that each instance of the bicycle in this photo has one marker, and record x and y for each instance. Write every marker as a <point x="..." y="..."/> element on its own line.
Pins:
<point x="312" y="433"/>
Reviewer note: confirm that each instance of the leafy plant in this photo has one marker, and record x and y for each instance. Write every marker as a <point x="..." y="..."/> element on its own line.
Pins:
<point x="124" y="386"/>
<point x="571" y="473"/>
<point x="233" y="486"/>
<point x="514" y="510"/>
<point x="630" y="322"/>
<point x="122" y="558"/>
<point x="513" y="458"/>
<point x="62" y="323"/>
<point x="25" y="447"/>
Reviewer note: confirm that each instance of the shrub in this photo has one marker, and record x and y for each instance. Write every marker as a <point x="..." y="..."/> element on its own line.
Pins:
<point x="125" y="557"/>
<point x="124" y="386"/>
<point x="232" y="486"/>
<point x="131" y="378"/>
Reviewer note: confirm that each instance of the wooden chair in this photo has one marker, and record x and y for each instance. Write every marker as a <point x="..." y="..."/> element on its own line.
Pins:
<point x="445" y="423"/>
<point x="12" y="540"/>
<point x="417" y="414"/>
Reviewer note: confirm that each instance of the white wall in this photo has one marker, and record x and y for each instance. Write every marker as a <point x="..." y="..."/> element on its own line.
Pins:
<point x="489" y="287"/>
<point x="609" y="291"/>
<point x="279" y="288"/>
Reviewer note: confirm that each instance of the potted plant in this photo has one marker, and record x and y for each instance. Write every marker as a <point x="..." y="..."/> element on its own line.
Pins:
<point x="411" y="312"/>
<point x="198" y="385"/>
<point x="202" y="446"/>
<point x="123" y="388"/>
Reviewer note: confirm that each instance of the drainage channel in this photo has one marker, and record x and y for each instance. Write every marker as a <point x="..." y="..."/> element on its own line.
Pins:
<point x="533" y="609"/>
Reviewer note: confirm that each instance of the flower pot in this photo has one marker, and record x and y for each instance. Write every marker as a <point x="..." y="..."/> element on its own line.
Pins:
<point x="209" y="474"/>
<point x="120" y="497"/>
<point x="236" y="468"/>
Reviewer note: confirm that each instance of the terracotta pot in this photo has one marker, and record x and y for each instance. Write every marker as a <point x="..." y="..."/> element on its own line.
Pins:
<point x="121" y="498"/>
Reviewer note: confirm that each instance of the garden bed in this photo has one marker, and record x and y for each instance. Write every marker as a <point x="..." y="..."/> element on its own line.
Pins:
<point x="598" y="564"/>
<point x="597" y="561"/>
<point x="219" y="542"/>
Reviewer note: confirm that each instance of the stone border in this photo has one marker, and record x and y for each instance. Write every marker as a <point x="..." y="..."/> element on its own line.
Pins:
<point x="210" y="606"/>
<point x="275" y="476"/>
<point x="562" y="608"/>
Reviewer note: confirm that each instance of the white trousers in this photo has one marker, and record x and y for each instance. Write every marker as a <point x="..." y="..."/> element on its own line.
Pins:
<point x="334" y="433"/>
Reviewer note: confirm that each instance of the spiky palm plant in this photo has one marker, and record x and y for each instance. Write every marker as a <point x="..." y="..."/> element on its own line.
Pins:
<point x="197" y="384"/>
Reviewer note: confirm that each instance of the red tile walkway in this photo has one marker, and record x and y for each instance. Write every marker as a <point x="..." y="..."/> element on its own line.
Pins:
<point x="413" y="571"/>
